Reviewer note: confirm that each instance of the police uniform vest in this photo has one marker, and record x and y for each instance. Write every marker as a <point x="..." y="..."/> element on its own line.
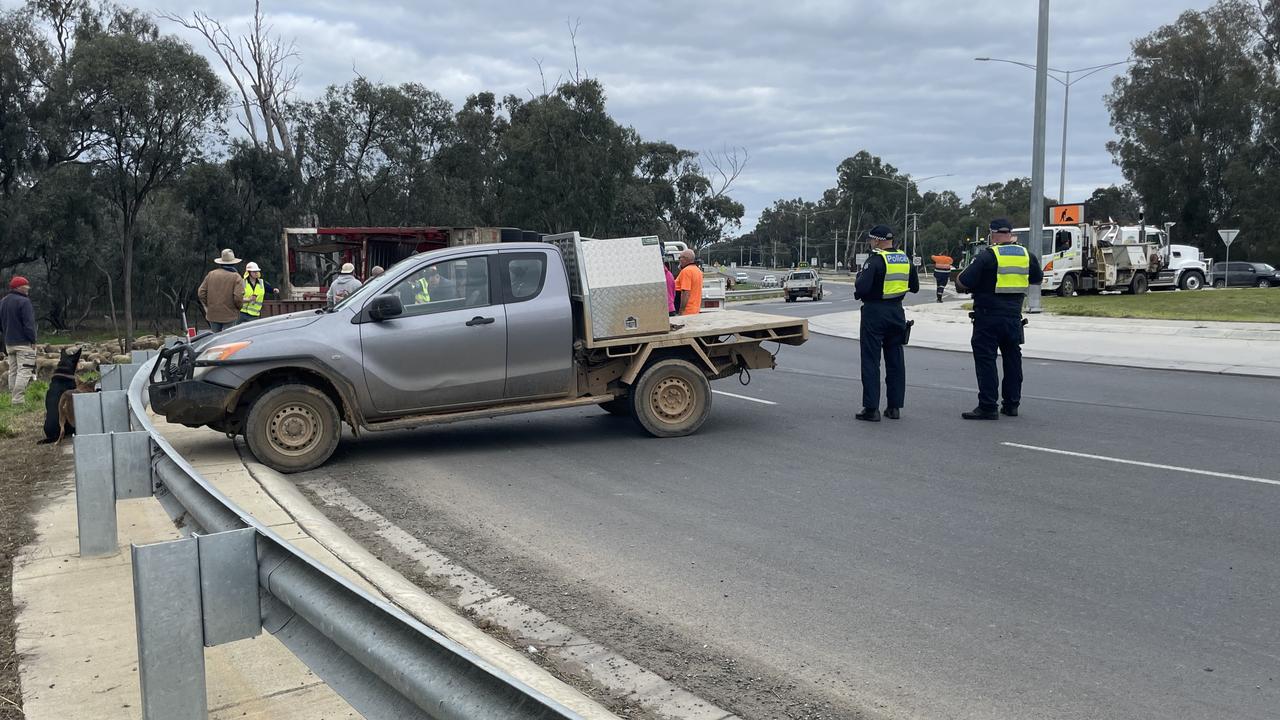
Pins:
<point x="253" y="296"/>
<point x="897" y="274"/>
<point x="1013" y="268"/>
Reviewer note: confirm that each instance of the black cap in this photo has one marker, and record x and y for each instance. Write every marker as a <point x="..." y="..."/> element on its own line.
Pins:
<point x="1001" y="225"/>
<point x="881" y="232"/>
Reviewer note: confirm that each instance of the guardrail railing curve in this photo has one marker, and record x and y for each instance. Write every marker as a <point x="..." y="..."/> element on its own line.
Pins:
<point x="384" y="662"/>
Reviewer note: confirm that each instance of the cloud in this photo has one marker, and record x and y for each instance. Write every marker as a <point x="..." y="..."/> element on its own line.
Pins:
<point x="802" y="84"/>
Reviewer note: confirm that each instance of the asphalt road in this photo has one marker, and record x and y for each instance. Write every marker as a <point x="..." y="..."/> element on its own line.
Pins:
<point x="918" y="568"/>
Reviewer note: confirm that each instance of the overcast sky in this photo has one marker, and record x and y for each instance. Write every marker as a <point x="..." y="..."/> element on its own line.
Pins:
<point x="800" y="84"/>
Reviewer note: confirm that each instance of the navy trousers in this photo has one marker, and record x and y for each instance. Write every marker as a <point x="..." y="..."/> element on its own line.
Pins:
<point x="882" y="331"/>
<point x="992" y="334"/>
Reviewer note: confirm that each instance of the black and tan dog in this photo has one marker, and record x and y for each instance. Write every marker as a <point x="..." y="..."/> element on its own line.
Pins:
<point x="59" y="411"/>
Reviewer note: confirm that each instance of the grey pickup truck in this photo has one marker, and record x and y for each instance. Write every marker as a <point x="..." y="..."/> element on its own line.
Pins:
<point x="468" y="332"/>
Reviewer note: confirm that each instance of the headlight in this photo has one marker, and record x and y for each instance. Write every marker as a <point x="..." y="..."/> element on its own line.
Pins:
<point x="219" y="353"/>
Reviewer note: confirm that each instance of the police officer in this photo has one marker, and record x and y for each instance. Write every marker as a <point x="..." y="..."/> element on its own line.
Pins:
<point x="884" y="280"/>
<point x="998" y="277"/>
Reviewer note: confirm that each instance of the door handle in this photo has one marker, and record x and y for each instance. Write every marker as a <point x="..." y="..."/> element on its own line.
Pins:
<point x="477" y="320"/>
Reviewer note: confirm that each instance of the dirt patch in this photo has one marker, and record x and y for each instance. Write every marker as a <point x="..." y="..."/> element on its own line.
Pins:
<point x="748" y="689"/>
<point x="28" y="472"/>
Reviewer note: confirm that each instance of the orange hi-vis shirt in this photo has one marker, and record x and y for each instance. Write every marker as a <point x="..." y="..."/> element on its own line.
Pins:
<point x="690" y="281"/>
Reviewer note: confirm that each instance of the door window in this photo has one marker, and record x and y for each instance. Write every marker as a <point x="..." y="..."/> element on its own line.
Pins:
<point x="523" y="275"/>
<point x="444" y="286"/>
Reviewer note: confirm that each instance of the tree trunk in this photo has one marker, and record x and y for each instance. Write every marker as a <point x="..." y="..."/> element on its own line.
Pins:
<point x="126" y="342"/>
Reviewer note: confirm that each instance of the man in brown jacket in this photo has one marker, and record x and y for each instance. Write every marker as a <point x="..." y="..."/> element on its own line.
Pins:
<point x="222" y="292"/>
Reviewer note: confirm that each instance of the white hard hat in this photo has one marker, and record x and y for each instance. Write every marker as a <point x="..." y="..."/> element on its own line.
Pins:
<point x="347" y="269"/>
<point x="252" y="267"/>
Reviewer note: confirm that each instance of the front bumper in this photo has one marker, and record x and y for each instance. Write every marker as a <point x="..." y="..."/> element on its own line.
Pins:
<point x="190" y="402"/>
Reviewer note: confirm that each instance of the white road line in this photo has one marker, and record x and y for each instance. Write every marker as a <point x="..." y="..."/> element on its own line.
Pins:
<point x="744" y="397"/>
<point x="1157" y="466"/>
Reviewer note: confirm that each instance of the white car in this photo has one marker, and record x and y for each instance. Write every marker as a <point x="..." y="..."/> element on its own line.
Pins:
<point x="740" y="277"/>
<point x="769" y="281"/>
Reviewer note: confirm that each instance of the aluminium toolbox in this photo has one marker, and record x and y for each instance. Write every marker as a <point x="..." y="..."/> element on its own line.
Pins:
<point x="619" y="282"/>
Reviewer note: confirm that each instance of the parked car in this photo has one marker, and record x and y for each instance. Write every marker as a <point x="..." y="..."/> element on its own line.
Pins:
<point x="740" y="277"/>
<point x="1244" y="274"/>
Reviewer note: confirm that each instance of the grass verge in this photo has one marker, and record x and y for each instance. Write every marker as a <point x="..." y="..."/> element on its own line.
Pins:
<point x="26" y="471"/>
<point x="1244" y="305"/>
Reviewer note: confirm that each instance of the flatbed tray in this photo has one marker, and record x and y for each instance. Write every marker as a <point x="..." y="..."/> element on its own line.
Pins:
<point x="746" y="325"/>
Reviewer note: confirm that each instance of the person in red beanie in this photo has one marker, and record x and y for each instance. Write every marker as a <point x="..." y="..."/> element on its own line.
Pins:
<point x="18" y="333"/>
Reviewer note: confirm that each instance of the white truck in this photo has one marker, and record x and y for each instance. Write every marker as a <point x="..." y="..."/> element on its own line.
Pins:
<point x="1091" y="258"/>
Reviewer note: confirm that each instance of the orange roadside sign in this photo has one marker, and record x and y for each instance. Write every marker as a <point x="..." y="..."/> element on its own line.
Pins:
<point x="1066" y="214"/>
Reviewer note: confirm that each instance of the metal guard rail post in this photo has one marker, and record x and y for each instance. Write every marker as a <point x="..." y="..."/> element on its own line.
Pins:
<point x="383" y="661"/>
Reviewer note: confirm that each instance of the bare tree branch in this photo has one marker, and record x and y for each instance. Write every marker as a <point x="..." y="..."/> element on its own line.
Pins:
<point x="728" y="165"/>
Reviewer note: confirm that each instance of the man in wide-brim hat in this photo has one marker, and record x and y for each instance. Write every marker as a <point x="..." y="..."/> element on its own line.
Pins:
<point x="344" y="283"/>
<point x="222" y="292"/>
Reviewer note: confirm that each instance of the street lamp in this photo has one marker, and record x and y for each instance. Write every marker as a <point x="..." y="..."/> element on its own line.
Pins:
<point x="906" y="199"/>
<point x="1066" y="82"/>
<point x="804" y="245"/>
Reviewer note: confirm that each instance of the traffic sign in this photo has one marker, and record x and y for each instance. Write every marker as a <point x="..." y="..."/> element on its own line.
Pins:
<point x="1066" y="214"/>
<point x="1228" y="236"/>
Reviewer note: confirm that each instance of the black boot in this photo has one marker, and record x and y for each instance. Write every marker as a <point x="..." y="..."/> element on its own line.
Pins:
<point x="1010" y="410"/>
<point x="892" y="413"/>
<point x="869" y="414"/>
<point x="980" y="414"/>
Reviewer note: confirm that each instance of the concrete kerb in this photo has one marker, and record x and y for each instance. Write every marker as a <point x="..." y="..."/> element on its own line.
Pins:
<point x="564" y="646"/>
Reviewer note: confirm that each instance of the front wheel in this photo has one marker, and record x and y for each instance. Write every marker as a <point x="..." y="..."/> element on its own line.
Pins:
<point x="1068" y="286"/>
<point x="1191" y="281"/>
<point x="1219" y="284"/>
<point x="671" y="398"/>
<point x="1264" y="283"/>
<point x="292" y="428"/>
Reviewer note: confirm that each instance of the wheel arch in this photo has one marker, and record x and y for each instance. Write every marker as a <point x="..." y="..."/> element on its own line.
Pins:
<point x="339" y="392"/>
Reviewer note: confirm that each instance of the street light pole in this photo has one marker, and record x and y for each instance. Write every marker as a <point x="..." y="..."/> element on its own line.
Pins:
<point x="1034" y="238"/>
<point x="906" y="200"/>
<point x="1066" y="82"/>
<point x="1062" y="166"/>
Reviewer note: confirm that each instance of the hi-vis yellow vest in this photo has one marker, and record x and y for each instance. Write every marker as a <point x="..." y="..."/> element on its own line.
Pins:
<point x="1013" y="269"/>
<point x="423" y="295"/>
<point x="897" y="274"/>
<point x="253" y="296"/>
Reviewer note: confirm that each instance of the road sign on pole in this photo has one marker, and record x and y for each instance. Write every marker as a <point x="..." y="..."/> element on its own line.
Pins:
<point x="1228" y="237"/>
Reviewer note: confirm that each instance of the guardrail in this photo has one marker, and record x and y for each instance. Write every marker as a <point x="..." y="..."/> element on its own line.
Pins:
<point x="235" y="577"/>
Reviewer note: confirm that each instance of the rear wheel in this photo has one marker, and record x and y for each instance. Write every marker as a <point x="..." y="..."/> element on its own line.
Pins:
<point x="1138" y="285"/>
<point x="1191" y="281"/>
<point x="1219" y="284"/>
<point x="292" y="428"/>
<point x="671" y="398"/>
<point x="1068" y="286"/>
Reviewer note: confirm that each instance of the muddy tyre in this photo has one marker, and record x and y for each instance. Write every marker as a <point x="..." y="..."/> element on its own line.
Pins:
<point x="292" y="428"/>
<point x="671" y="398"/>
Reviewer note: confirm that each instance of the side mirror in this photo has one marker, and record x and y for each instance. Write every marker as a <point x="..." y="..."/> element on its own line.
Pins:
<point x="383" y="307"/>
